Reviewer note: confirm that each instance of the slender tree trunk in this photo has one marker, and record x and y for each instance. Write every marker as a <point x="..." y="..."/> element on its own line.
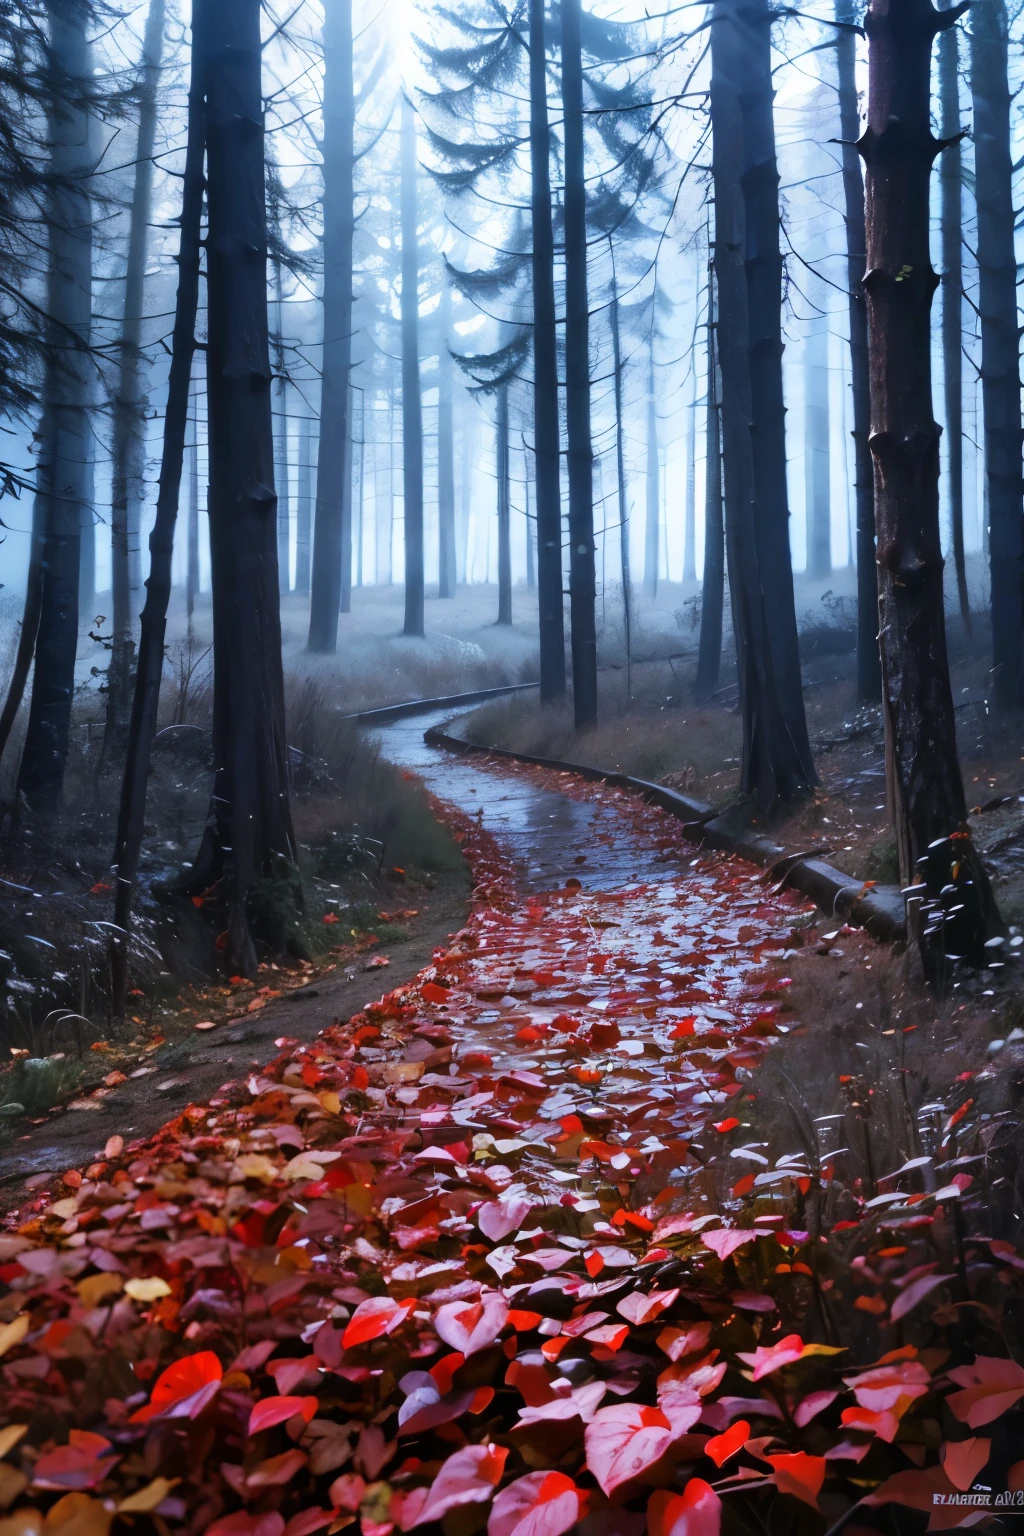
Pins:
<point x="412" y="401"/>
<point x="445" y="455"/>
<point x="129" y="405"/>
<point x="690" y="507"/>
<point x="332" y="467"/>
<point x="345" y="601"/>
<point x="1000" y="343"/>
<point x="869" y="676"/>
<point x="504" y="509"/>
<point x="712" y="592"/>
<point x="951" y="222"/>
<point x="87" y="559"/>
<point x="531" y="551"/>
<point x="466" y="496"/>
<point x="192" y="565"/>
<point x="620" y="475"/>
<point x="66" y="444"/>
<point x="153" y="625"/>
<point x="281" y="467"/>
<point x="249" y="838"/>
<point x="30" y="610"/>
<point x="303" y="504"/>
<point x="776" y="761"/>
<point x="817" y="466"/>
<point x="582" y="574"/>
<point x="547" y="463"/>
<point x="652" y="529"/>
<point x="926" y="789"/>
<point x="763" y="267"/>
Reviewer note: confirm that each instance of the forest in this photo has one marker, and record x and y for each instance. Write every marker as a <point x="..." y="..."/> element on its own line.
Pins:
<point x="518" y="504"/>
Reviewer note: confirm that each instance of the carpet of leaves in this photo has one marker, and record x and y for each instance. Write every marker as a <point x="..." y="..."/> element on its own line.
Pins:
<point x="459" y="1265"/>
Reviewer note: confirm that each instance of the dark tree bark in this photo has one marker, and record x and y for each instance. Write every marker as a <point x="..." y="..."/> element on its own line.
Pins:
<point x="504" y="510"/>
<point x="925" y="786"/>
<point x="87" y="558"/>
<point x="65" y="446"/>
<point x="652" y="524"/>
<point x="346" y="512"/>
<point x="249" y="838"/>
<point x="531" y="545"/>
<point x="466" y="487"/>
<point x="445" y="455"/>
<point x="29" y="620"/>
<point x="1000" y="344"/>
<point x="547" y="465"/>
<point x="763" y="268"/>
<point x="582" y="575"/>
<point x="776" y="760"/>
<point x="412" y="400"/>
<point x="951" y="223"/>
<point x="281" y="437"/>
<point x="129" y="404"/>
<point x="620" y="474"/>
<point x="153" y="626"/>
<point x="192" y="566"/>
<point x="332" y="466"/>
<point x="303" y="504"/>
<point x="869" y="675"/>
<point x="817" y="465"/>
<point x="712" y="592"/>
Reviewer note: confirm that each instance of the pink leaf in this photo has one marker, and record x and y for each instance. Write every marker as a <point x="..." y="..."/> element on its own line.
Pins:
<point x="625" y="1441"/>
<point x="539" y="1504"/>
<point x="697" y="1511"/>
<point x="916" y="1291"/>
<point x="725" y="1240"/>
<point x="962" y="1460"/>
<point x="375" y="1317"/>
<point x="639" y="1309"/>
<point x="799" y="1474"/>
<point x="991" y="1387"/>
<point x="470" y="1326"/>
<point x="810" y="1406"/>
<point x="468" y="1477"/>
<point x="498" y="1218"/>
<point x="773" y="1357"/>
<point x="277" y="1410"/>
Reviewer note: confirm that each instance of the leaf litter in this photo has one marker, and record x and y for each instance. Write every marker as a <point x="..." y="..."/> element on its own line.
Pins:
<point x="459" y="1264"/>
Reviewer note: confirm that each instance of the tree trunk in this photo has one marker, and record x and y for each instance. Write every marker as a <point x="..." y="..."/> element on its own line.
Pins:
<point x="794" y="772"/>
<point x="582" y="573"/>
<point x="466" y="488"/>
<point x="412" y="400"/>
<point x="129" y="405"/>
<point x="249" y="839"/>
<point x="776" y="762"/>
<point x="339" y="160"/>
<point x="504" y="510"/>
<point x="690" y="506"/>
<point x="546" y="446"/>
<point x="712" y="592"/>
<point x="445" y="455"/>
<point x="303" y="504"/>
<point x="153" y="625"/>
<point x="1000" y="343"/>
<point x="926" y="789"/>
<point x="531" y="550"/>
<point x="29" y="616"/>
<point x="869" y="676"/>
<point x="66" y="445"/>
<point x="281" y="467"/>
<point x="817" y="466"/>
<point x="620" y="474"/>
<point x="345" y="600"/>
<point x="652" y="531"/>
<point x="87" y="559"/>
<point x="951" y="223"/>
<point x="192" y="565"/>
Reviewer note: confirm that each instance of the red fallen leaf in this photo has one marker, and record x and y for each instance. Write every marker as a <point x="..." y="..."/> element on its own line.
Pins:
<point x="684" y="1028"/>
<point x="277" y="1410"/>
<point x="539" y="1504"/>
<point x="962" y="1460"/>
<point x="604" y="1034"/>
<point x="725" y="1240"/>
<point x="721" y="1447"/>
<point x="697" y="1511"/>
<point x="726" y="1125"/>
<point x="432" y="993"/>
<point x="639" y="1309"/>
<point x="183" y="1389"/>
<point x="497" y="1218"/>
<point x="375" y="1317"/>
<point x="471" y="1326"/>
<point x="799" y="1474"/>
<point x="773" y="1357"/>
<point x="958" y="1114"/>
<point x="98" y="888"/>
<point x="522" y="1322"/>
<point x="991" y="1387"/>
<point x="468" y="1477"/>
<point x="594" y="1264"/>
<point x="81" y="1464"/>
<point x="625" y="1441"/>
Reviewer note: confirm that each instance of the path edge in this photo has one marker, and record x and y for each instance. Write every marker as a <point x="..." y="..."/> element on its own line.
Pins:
<point x="880" y="911"/>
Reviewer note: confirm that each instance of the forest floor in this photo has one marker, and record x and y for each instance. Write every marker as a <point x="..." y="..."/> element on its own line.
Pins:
<point x="648" y="1205"/>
